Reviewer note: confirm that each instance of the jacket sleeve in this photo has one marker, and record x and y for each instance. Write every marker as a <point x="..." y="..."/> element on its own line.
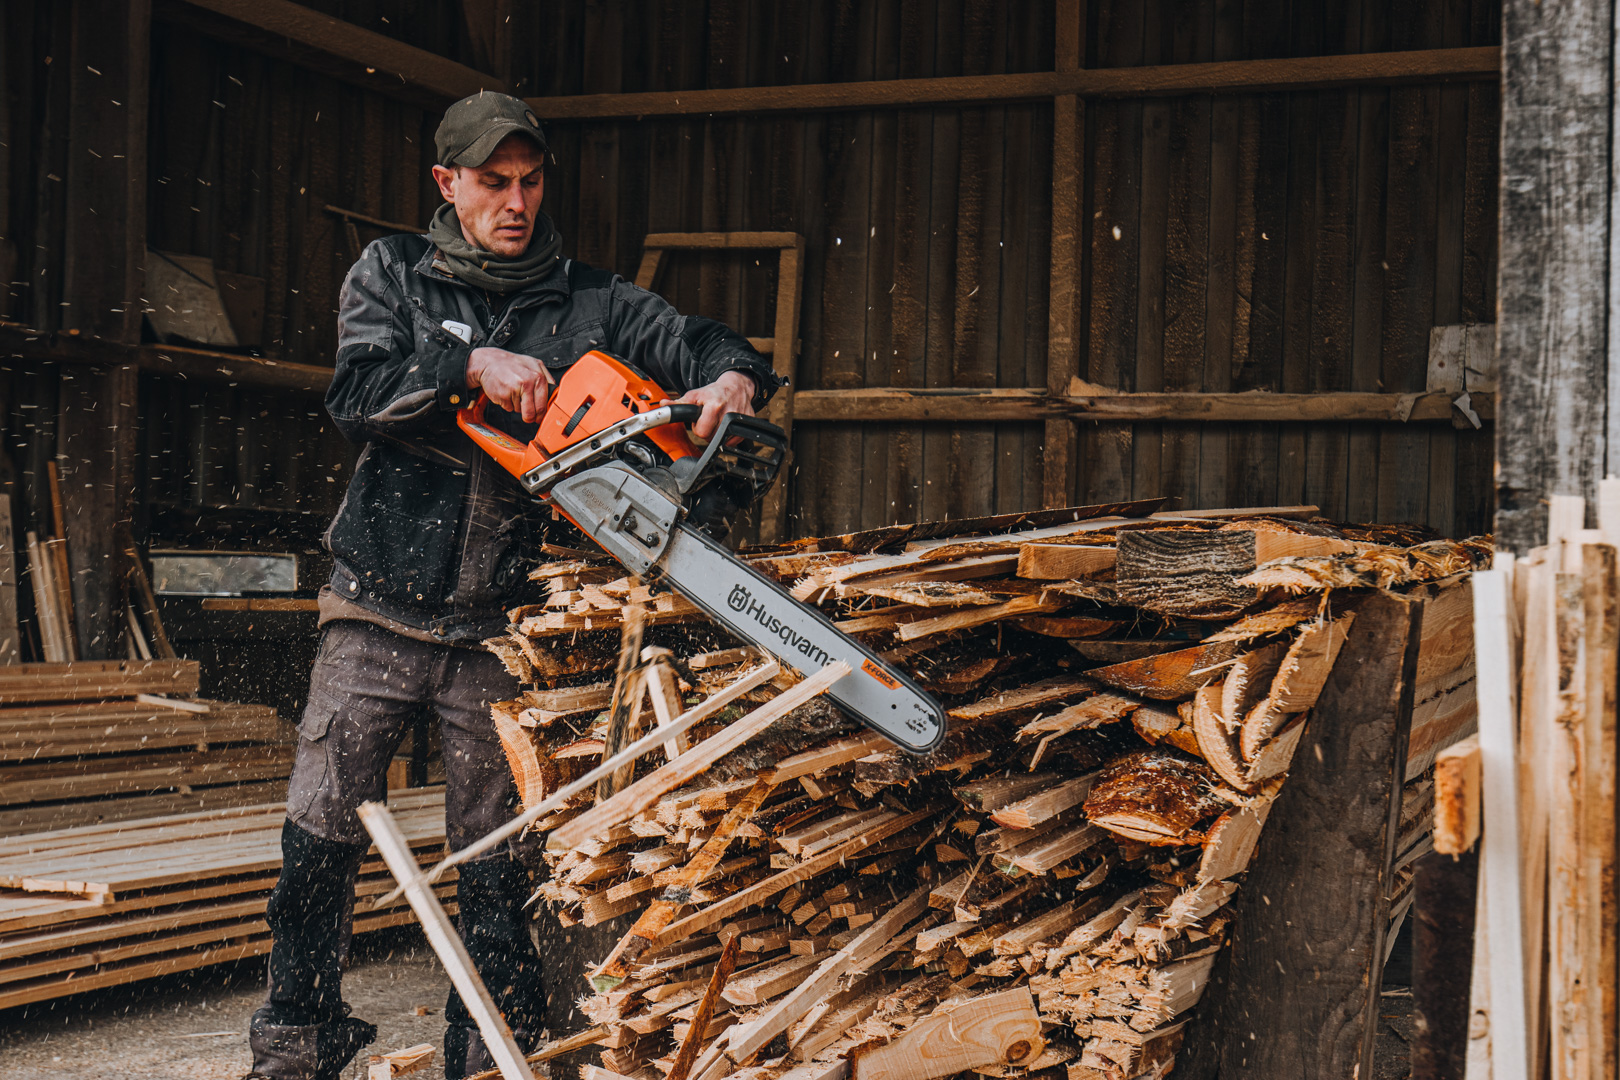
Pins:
<point x="681" y="352"/>
<point x="396" y="375"/>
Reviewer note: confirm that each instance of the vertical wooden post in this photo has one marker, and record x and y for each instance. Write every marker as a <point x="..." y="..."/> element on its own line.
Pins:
<point x="1064" y="317"/>
<point x="1553" y="293"/>
<point x="104" y="271"/>
<point x="773" y="511"/>
<point x="1298" y="992"/>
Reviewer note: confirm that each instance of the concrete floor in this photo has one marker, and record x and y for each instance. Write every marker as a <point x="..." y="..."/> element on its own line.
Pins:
<point x="193" y="1026"/>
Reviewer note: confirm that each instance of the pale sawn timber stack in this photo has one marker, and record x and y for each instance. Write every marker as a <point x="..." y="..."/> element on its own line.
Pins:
<point x="1536" y="789"/>
<point x="102" y="740"/>
<point x="1048" y="888"/>
<point x="108" y="904"/>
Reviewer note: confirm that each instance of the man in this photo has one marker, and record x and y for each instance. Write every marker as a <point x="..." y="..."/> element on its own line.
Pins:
<point x="428" y="554"/>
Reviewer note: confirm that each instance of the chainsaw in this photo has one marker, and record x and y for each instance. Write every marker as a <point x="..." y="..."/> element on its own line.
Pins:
<point x="613" y="457"/>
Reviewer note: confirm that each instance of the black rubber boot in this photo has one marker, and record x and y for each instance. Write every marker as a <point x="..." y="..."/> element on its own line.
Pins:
<point x="490" y="896"/>
<point x="304" y="1031"/>
<point x="306" y="1051"/>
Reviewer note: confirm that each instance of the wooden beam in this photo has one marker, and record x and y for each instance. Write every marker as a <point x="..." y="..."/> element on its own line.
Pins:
<point x="728" y="241"/>
<point x="1035" y="405"/>
<point x="261" y="373"/>
<point x="301" y="35"/>
<point x="876" y="404"/>
<point x="1552" y="332"/>
<point x="1223" y="77"/>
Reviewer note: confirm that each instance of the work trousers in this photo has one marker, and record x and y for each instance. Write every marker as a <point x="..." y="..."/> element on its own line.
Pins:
<point x="366" y="685"/>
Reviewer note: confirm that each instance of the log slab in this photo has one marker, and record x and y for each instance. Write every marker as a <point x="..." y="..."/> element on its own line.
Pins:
<point x="1306" y="959"/>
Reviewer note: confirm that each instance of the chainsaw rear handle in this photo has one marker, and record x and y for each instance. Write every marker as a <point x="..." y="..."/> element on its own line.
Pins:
<point x="515" y="457"/>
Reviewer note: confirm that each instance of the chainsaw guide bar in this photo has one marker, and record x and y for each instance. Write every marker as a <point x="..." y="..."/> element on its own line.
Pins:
<point x="622" y="512"/>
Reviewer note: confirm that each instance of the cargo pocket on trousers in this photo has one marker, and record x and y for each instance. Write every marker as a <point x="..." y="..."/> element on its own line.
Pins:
<point x="311" y="763"/>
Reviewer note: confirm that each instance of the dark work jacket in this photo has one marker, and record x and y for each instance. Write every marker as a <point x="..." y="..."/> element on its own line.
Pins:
<point x="446" y="548"/>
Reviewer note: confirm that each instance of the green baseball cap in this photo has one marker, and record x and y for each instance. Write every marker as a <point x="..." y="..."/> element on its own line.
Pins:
<point x="475" y="125"/>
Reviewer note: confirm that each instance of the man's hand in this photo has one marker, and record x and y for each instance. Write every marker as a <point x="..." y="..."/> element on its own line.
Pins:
<point x="731" y="392"/>
<point x="517" y="383"/>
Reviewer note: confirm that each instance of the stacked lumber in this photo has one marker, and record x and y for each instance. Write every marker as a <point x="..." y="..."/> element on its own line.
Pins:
<point x="1049" y="887"/>
<point x="1537" y="790"/>
<point x="94" y="740"/>
<point x="109" y="904"/>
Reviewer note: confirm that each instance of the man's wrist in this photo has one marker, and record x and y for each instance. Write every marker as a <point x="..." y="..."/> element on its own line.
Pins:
<point x="752" y="383"/>
<point x="475" y="367"/>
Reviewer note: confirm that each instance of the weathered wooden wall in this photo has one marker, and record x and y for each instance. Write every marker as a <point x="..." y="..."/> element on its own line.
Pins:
<point x="1300" y="242"/>
<point x="1297" y="242"/>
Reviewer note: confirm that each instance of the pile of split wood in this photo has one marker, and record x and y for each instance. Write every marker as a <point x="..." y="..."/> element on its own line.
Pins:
<point x="109" y="904"/>
<point x="1047" y="888"/>
<point x="99" y="740"/>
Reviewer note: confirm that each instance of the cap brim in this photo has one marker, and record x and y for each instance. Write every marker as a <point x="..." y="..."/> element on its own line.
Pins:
<point x="478" y="151"/>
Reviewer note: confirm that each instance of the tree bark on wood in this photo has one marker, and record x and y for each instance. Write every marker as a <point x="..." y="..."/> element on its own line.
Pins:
<point x="1552" y="291"/>
<point x="1296" y="993"/>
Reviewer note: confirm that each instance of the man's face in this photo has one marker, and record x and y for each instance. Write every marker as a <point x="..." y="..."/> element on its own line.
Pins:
<point x="498" y="200"/>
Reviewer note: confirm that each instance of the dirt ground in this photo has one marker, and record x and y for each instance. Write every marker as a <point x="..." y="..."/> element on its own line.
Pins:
<point x="193" y="1026"/>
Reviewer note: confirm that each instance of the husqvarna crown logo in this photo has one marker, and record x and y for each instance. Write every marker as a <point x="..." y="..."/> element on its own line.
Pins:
<point x="742" y="601"/>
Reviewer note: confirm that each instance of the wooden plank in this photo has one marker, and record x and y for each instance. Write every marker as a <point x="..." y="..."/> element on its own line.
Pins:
<point x="441" y="934"/>
<point x="1501" y="886"/>
<point x="897" y="404"/>
<point x="1315" y="893"/>
<point x="46" y="617"/>
<point x="144" y="600"/>
<point x="90" y="680"/>
<point x="784" y="361"/>
<point x="1222" y="77"/>
<point x="732" y="241"/>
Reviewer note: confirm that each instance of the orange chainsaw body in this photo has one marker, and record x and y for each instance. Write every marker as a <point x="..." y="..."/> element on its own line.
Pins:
<point x="595" y="393"/>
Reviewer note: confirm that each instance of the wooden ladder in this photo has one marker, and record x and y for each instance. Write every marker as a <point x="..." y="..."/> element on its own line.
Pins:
<point x="789" y="279"/>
